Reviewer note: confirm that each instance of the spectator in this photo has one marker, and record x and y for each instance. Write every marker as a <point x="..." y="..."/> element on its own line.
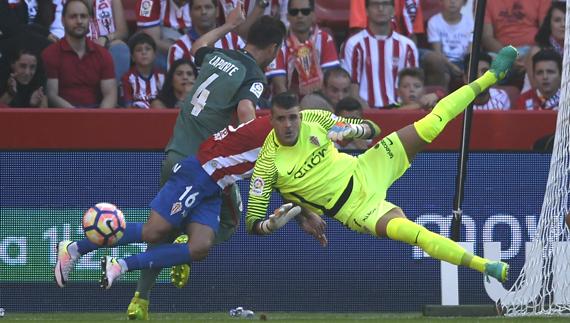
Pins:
<point x="24" y="86"/>
<point x="178" y="83"/>
<point x="253" y="10"/>
<point x="107" y="27"/>
<point x="450" y="33"/>
<point x="165" y="21"/>
<point x="411" y="91"/>
<point x="350" y="108"/>
<point x="203" y="14"/>
<point x="492" y="98"/>
<point x="550" y="35"/>
<point x="79" y="72"/>
<point x="513" y="22"/>
<point x="547" y="67"/>
<point x="143" y="82"/>
<point x="335" y="88"/>
<point x="306" y="52"/>
<point x="374" y="56"/>
<point x="408" y="17"/>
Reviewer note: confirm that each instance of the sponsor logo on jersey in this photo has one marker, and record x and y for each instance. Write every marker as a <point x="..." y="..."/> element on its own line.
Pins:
<point x="257" y="89"/>
<point x="176" y="207"/>
<point x="257" y="188"/>
<point x="146" y="6"/>
<point x="388" y="150"/>
<point x="315" y="159"/>
<point x="315" y="141"/>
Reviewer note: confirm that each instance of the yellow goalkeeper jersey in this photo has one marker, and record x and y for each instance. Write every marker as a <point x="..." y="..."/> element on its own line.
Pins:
<point x="312" y="173"/>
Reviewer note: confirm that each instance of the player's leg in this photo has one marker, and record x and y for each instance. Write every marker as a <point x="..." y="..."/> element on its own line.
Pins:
<point x="229" y="220"/>
<point x="201" y="238"/>
<point x="396" y="226"/>
<point x="69" y="252"/>
<point x="416" y="136"/>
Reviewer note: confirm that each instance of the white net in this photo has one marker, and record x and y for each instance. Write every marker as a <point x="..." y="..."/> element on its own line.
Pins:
<point x="543" y="286"/>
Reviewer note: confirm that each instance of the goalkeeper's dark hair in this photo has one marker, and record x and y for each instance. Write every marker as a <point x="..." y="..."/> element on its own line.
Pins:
<point x="347" y="104"/>
<point x="265" y="31"/>
<point x="547" y="55"/>
<point x="285" y="100"/>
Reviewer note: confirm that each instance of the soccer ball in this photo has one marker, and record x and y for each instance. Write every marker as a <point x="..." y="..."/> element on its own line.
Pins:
<point x="104" y="224"/>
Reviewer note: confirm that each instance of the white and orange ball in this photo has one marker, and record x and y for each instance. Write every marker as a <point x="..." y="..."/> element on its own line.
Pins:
<point x="104" y="224"/>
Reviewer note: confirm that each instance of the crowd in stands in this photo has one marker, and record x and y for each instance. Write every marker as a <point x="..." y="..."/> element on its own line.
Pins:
<point x="397" y="54"/>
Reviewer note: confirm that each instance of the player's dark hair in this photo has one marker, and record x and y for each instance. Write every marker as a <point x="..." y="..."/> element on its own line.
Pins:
<point x="542" y="37"/>
<point x="285" y="100"/>
<point x="411" y="72"/>
<point x="483" y="56"/>
<point x="66" y="4"/>
<point x="545" y="55"/>
<point x="335" y="71"/>
<point x="311" y="4"/>
<point x="191" y="3"/>
<point x="347" y="104"/>
<point x="266" y="31"/>
<point x="166" y="94"/>
<point x="141" y="38"/>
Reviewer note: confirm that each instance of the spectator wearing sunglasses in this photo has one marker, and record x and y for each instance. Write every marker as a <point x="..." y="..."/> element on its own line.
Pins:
<point x="374" y="56"/>
<point x="307" y="52"/>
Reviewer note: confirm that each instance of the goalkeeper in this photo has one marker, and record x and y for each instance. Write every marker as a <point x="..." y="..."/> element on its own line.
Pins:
<point x="299" y="159"/>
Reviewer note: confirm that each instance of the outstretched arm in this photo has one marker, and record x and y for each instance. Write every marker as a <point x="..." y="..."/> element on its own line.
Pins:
<point x="235" y="18"/>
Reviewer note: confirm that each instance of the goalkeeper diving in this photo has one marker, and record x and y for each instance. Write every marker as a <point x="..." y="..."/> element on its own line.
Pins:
<point x="299" y="160"/>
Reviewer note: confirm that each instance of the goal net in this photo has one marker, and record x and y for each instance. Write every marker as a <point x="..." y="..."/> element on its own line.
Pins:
<point x="543" y="286"/>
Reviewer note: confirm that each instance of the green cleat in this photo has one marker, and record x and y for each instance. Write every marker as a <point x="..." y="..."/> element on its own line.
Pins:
<point x="179" y="274"/>
<point x="138" y="308"/>
<point x="498" y="270"/>
<point x="503" y="62"/>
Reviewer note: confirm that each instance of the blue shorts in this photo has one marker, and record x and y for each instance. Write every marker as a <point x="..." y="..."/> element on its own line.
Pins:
<point x="189" y="195"/>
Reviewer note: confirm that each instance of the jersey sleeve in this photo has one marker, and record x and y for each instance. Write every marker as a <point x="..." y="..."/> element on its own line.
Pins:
<point x="252" y="87"/>
<point x="261" y="184"/>
<point x="148" y="13"/>
<point x="326" y="119"/>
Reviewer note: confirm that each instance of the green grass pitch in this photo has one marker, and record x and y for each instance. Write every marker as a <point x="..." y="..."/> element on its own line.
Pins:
<point x="280" y="317"/>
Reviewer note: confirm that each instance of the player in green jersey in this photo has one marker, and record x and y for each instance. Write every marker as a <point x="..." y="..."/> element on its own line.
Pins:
<point x="229" y="82"/>
<point x="299" y="159"/>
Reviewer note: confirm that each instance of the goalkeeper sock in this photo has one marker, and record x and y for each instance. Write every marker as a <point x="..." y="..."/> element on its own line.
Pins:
<point x="430" y="126"/>
<point x="162" y="256"/>
<point x="436" y="246"/>
<point x="133" y="233"/>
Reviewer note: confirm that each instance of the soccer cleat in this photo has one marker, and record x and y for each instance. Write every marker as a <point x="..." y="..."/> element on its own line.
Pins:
<point x="179" y="274"/>
<point x="497" y="269"/>
<point x="64" y="264"/>
<point x="138" y="308"/>
<point x="503" y="62"/>
<point x="111" y="271"/>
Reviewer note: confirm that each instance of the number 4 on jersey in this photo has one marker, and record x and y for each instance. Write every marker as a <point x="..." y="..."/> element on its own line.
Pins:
<point x="201" y="95"/>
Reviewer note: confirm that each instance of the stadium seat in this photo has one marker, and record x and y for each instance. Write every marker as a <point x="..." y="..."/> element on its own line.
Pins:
<point x="334" y="15"/>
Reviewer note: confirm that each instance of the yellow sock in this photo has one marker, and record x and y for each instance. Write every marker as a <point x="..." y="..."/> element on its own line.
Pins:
<point x="430" y="126"/>
<point x="436" y="246"/>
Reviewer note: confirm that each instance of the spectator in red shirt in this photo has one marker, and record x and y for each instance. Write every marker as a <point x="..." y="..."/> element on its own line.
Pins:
<point x="547" y="67"/>
<point x="306" y="53"/>
<point x="79" y="72"/>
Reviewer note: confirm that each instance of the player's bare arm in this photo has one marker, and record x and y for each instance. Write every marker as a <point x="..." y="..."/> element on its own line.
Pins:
<point x="234" y="19"/>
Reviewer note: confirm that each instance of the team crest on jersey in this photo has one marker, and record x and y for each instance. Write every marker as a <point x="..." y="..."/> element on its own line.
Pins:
<point x="315" y="141"/>
<point x="257" y="89"/>
<point x="257" y="188"/>
<point x="176" y="207"/>
<point x="146" y="6"/>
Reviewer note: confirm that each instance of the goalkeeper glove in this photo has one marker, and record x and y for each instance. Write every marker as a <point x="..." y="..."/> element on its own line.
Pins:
<point x="278" y="219"/>
<point x="341" y="131"/>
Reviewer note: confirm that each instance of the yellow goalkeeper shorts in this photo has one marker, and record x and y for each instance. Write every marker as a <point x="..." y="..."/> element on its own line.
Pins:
<point x="377" y="169"/>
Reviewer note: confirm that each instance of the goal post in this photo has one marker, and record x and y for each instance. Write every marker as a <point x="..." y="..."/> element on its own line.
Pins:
<point x="543" y="285"/>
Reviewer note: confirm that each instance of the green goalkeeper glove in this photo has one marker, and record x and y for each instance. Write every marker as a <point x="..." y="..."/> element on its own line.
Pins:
<point x="278" y="219"/>
<point x="341" y="131"/>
